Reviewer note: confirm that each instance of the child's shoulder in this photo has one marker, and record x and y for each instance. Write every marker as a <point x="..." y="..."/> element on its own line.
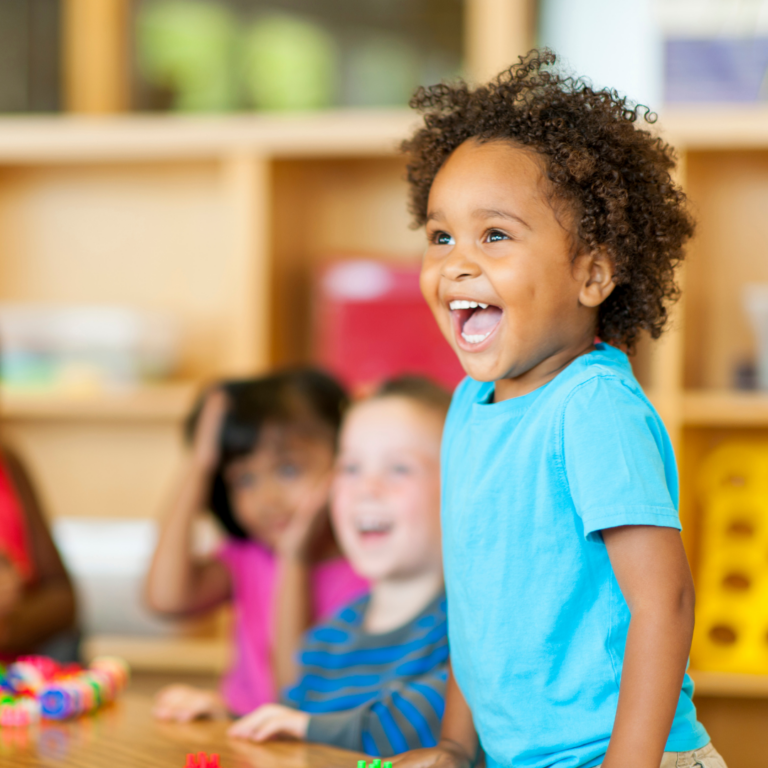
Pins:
<point x="351" y="614"/>
<point x="603" y="379"/>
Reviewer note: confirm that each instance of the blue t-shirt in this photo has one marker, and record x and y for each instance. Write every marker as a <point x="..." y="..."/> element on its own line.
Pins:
<point x="537" y="623"/>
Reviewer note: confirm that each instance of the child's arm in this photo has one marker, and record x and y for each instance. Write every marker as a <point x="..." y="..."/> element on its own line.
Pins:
<point x="177" y="582"/>
<point x="47" y="606"/>
<point x="653" y="574"/>
<point x="293" y="604"/>
<point x="458" y="745"/>
<point x="404" y="715"/>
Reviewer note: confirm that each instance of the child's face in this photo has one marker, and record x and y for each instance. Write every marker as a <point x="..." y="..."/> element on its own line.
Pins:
<point x="494" y="239"/>
<point x="386" y="496"/>
<point x="269" y="484"/>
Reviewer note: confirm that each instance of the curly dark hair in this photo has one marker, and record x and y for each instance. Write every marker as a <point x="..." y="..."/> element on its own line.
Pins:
<point x="615" y="176"/>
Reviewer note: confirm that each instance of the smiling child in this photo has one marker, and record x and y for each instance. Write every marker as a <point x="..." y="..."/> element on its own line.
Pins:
<point x="373" y="677"/>
<point x="551" y="218"/>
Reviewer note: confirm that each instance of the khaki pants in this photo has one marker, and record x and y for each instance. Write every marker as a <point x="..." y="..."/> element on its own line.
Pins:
<point x="706" y="757"/>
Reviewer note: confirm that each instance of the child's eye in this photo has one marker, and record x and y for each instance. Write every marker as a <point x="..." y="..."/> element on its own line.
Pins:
<point x="243" y="480"/>
<point x="288" y="471"/>
<point x="441" y="238"/>
<point x="349" y="469"/>
<point x="496" y="235"/>
<point x="401" y="469"/>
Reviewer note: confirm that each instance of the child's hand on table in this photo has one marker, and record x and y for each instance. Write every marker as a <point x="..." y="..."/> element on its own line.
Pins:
<point x="444" y="755"/>
<point x="269" y="721"/>
<point x="184" y="703"/>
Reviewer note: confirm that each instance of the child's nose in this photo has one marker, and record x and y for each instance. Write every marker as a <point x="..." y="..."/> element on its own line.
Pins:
<point x="460" y="264"/>
<point x="372" y="485"/>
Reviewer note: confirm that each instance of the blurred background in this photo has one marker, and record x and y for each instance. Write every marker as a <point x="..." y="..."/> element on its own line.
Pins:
<point x="194" y="189"/>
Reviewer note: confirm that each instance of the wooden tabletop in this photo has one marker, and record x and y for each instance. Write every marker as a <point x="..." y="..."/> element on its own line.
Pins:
<point x="125" y="736"/>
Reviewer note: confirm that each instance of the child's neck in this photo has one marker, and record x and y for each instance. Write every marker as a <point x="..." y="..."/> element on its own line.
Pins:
<point x="543" y="372"/>
<point x="394" y="602"/>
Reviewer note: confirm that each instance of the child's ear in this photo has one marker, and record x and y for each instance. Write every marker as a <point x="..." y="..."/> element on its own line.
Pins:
<point x="597" y="268"/>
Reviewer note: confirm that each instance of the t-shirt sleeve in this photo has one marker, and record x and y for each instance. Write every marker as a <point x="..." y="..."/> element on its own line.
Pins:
<point x="404" y="716"/>
<point x="618" y="459"/>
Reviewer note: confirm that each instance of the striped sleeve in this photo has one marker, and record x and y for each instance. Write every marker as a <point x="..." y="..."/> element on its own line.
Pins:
<point x="403" y="716"/>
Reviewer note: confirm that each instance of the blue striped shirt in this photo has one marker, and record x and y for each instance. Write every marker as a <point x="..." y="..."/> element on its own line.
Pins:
<point x="380" y="694"/>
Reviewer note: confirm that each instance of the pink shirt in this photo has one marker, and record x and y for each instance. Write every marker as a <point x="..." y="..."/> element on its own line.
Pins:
<point x="253" y="567"/>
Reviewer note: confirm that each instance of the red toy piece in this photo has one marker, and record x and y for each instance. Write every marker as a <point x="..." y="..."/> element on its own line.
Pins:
<point x="201" y="760"/>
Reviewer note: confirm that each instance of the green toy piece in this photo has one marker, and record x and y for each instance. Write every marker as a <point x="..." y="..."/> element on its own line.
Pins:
<point x="361" y="764"/>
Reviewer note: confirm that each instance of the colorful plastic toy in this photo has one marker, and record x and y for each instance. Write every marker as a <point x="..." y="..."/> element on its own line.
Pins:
<point x="201" y="760"/>
<point x="375" y="764"/>
<point x="732" y="587"/>
<point x="35" y="687"/>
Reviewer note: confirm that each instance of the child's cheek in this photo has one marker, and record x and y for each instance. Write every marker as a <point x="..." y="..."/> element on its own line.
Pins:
<point x="342" y="512"/>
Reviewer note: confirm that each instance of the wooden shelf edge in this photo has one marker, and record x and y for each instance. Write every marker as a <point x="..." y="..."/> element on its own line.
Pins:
<point x="157" y="402"/>
<point x="344" y="133"/>
<point x="339" y="132"/>
<point x="725" y="408"/>
<point x="162" y="654"/>
<point x="729" y="684"/>
<point x="715" y="126"/>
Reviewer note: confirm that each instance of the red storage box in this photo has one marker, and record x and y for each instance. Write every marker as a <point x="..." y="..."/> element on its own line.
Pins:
<point x="372" y="323"/>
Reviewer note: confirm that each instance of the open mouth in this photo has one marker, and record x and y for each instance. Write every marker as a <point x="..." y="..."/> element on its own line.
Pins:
<point x="373" y="529"/>
<point x="473" y="320"/>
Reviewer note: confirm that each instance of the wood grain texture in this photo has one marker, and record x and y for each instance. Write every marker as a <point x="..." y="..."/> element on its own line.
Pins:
<point x="125" y="736"/>
<point x="96" y="58"/>
<point x="496" y="33"/>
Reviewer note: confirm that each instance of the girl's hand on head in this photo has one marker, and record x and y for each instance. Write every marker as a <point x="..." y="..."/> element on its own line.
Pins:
<point x="205" y="446"/>
<point x="270" y="721"/>
<point x="183" y="703"/>
<point x="307" y="522"/>
<point x="11" y="585"/>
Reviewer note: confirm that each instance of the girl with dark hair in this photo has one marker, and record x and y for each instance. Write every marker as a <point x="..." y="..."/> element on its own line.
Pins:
<point x="262" y="452"/>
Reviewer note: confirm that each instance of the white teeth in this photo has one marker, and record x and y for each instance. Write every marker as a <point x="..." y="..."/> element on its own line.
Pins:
<point x="373" y="526"/>
<point x="464" y="304"/>
<point x="475" y="338"/>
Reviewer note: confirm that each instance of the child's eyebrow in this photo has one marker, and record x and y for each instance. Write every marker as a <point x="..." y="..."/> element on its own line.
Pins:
<point x="488" y="213"/>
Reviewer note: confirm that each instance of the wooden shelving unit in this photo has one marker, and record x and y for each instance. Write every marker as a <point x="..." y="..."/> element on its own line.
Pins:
<point x="218" y="220"/>
<point x="730" y="685"/>
<point x="156" y="403"/>
<point x="167" y="138"/>
<point x="725" y="408"/>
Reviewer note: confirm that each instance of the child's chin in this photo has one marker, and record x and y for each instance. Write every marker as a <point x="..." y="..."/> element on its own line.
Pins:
<point x="373" y="569"/>
<point x="476" y="368"/>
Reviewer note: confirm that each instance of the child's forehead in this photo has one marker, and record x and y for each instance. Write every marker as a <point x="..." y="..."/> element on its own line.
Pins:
<point x="481" y="175"/>
<point x="282" y="437"/>
<point x="394" y="417"/>
<point x="486" y="168"/>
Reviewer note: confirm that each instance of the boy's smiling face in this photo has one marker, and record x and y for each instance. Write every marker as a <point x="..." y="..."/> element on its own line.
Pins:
<point x="499" y="273"/>
<point x="386" y="496"/>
